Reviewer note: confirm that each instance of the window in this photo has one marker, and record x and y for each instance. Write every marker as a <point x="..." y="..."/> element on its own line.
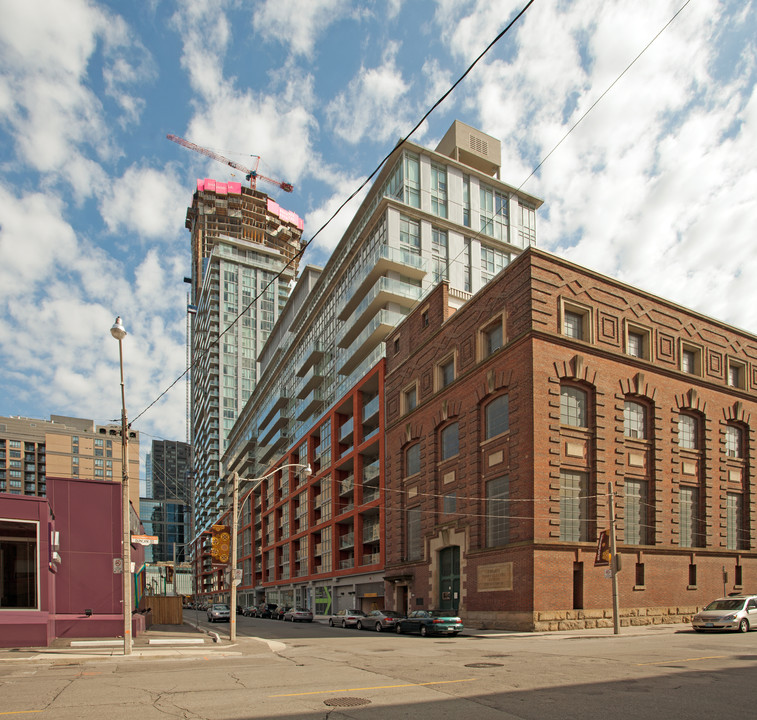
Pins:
<point x="638" y="342"/>
<point x="527" y="227"/>
<point x="639" y="575"/>
<point x="413" y="460"/>
<point x="410" y="237"/>
<point x="636" y="512"/>
<point x="497" y="417"/>
<point x="449" y="441"/>
<point x="635" y="420"/>
<point x="450" y="503"/>
<point x="409" y="399"/>
<point x="688" y="432"/>
<point x="439" y="190"/>
<point x="734" y="528"/>
<point x="690" y="535"/>
<point x="492" y="261"/>
<point x="492" y="338"/>
<point x="736" y="374"/>
<point x="573" y="407"/>
<point x="692" y="575"/>
<point x="439" y="254"/>
<point x="574" y="507"/>
<point x="691" y="359"/>
<point x="413" y="533"/>
<point x="466" y="200"/>
<point x="498" y="512"/>
<point x="18" y="565"/>
<point x="445" y="372"/>
<point x="573" y="325"/>
<point x="494" y="213"/>
<point x="734" y="445"/>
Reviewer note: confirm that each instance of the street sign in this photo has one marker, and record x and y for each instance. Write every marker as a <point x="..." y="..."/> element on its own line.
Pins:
<point x="118" y="566"/>
<point x="145" y="539"/>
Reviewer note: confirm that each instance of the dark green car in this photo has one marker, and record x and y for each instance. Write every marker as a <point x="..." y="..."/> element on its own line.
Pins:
<point x="430" y="622"/>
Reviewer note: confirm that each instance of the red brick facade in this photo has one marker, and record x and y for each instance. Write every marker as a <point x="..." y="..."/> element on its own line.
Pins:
<point x="666" y="400"/>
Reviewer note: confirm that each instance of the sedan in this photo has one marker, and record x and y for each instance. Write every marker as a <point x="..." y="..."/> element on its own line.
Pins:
<point x="379" y="620"/>
<point x="218" y="613"/>
<point x="736" y="612"/>
<point x="430" y="622"/>
<point x="347" y="618"/>
<point x="298" y="614"/>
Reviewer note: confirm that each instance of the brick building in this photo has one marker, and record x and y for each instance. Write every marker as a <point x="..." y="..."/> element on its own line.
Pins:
<point x="507" y="418"/>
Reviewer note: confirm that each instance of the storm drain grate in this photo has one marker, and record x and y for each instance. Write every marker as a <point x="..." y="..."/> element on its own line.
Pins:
<point x="346" y="702"/>
<point x="484" y="665"/>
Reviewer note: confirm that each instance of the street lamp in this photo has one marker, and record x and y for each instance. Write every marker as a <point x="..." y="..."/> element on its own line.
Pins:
<point x="234" y="523"/>
<point x="118" y="332"/>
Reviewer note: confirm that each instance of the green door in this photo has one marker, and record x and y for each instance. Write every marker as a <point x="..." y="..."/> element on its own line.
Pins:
<point x="449" y="578"/>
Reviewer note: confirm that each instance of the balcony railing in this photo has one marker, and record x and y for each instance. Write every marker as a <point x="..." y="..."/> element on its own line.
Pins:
<point x="347" y="541"/>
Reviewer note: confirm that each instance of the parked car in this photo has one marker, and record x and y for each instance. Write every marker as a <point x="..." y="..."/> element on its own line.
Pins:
<point x="735" y="612"/>
<point x="379" y="620"/>
<point x="218" y="613"/>
<point x="265" y="610"/>
<point x="347" y="618"/>
<point x="280" y="611"/>
<point x="298" y="614"/>
<point x="249" y="611"/>
<point x="430" y="622"/>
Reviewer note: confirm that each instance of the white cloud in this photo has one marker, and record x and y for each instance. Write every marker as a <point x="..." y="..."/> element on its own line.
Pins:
<point x="298" y="24"/>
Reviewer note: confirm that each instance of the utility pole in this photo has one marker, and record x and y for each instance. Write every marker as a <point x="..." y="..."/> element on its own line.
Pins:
<point x="232" y="574"/>
<point x="614" y="564"/>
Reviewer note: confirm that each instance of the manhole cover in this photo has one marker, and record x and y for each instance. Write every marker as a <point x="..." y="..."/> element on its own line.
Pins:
<point x="346" y="702"/>
<point x="483" y="665"/>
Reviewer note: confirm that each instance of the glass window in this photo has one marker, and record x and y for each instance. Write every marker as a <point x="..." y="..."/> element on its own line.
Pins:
<point x="734" y="514"/>
<point x="573" y="325"/>
<point x="413" y="531"/>
<point x="573" y="407"/>
<point x="449" y="441"/>
<point x="636" y="512"/>
<point x="635" y="420"/>
<point x="450" y="503"/>
<point x="689" y="517"/>
<point x="494" y="213"/>
<point x="410" y="236"/>
<point x="446" y="372"/>
<point x="497" y="416"/>
<point x="410" y="397"/>
<point x="492" y="338"/>
<point x="689" y="359"/>
<point x="498" y="512"/>
<point x="439" y="190"/>
<point x="574" y="507"/>
<point x="636" y="344"/>
<point x="440" y="254"/>
<point x="466" y="200"/>
<point x="733" y="441"/>
<point x="492" y="261"/>
<point x="18" y="565"/>
<point x="413" y="460"/>
<point x="688" y="435"/>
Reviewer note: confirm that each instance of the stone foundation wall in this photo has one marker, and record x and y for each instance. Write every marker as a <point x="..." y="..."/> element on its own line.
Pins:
<point x="553" y="620"/>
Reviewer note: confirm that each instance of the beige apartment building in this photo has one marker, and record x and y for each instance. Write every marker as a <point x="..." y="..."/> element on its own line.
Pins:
<point x="31" y="450"/>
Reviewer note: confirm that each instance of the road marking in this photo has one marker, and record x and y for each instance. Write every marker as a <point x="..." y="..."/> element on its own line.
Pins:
<point x="20" y="712"/>
<point x="667" y="662"/>
<point x="374" y="687"/>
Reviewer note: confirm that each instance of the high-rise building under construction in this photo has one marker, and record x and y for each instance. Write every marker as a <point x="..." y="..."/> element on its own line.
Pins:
<point x="244" y="258"/>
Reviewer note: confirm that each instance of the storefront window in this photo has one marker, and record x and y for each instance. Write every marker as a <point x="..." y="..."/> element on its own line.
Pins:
<point x="18" y="565"/>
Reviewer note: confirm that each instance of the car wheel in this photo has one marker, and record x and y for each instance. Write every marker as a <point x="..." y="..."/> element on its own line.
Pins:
<point x="378" y="627"/>
<point x="344" y="623"/>
<point x="359" y="625"/>
<point x="331" y="622"/>
<point x="744" y="625"/>
<point x="398" y="629"/>
<point x="424" y="631"/>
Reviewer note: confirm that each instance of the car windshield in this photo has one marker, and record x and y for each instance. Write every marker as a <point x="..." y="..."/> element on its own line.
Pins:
<point x="726" y="605"/>
<point x="220" y="607"/>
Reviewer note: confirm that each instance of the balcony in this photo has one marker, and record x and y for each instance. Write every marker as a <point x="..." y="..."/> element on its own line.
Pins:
<point x="371" y="473"/>
<point x="376" y="331"/>
<point x="370" y="494"/>
<point x="371" y="559"/>
<point x="312" y="379"/>
<point x="346" y="431"/>
<point x="279" y="401"/>
<point x="278" y="420"/>
<point x="371" y="533"/>
<point x="347" y="540"/>
<point x="346" y="564"/>
<point x="313" y="354"/>
<point x="371" y="409"/>
<point x="346" y="486"/>
<point x="385" y="290"/>
<point x="310" y="404"/>
<point x="384" y="259"/>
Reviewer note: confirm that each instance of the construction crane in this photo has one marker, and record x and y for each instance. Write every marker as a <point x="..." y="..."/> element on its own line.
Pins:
<point x="250" y="174"/>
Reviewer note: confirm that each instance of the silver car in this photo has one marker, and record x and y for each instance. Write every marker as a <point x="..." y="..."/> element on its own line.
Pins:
<point x="379" y="620"/>
<point x="736" y="612"/>
<point x="347" y="618"/>
<point x="298" y="614"/>
<point x="219" y="613"/>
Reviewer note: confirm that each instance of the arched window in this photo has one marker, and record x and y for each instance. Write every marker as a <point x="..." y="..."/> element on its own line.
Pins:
<point x="413" y="460"/>
<point x="497" y="417"/>
<point x="734" y="441"/>
<point x="573" y="406"/>
<point x="688" y="431"/>
<point x="450" y="444"/>
<point x="635" y="420"/>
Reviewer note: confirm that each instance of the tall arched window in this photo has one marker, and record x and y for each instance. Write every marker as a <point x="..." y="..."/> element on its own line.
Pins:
<point x="635" y="420"/>
<point x="688" y="431"/>
<point x="497" y="417"/>
<point x="574" y="406"/>
<point x="413" y="460"/>
<point x="450" y="444"/>
<point x="734" y="441"/>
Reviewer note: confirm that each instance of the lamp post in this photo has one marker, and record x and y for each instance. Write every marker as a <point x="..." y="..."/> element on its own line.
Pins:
<point x="118" y="332"/>
<point x="234" y="523"/>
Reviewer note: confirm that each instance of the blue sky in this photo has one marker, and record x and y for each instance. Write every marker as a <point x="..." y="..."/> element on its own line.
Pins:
<point x="657" y="186"/>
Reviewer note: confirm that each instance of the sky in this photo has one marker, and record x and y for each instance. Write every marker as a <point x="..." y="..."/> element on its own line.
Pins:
<point x="656" y="186"/>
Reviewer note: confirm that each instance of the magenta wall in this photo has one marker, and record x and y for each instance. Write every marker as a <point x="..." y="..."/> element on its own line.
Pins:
<point x="30" y="628"/>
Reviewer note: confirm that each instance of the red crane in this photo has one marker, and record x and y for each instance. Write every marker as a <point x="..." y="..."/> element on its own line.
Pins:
<point x="252" y="175"/>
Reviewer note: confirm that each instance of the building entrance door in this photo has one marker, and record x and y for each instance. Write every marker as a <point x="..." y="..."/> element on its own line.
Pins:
<point x="449" y="578"/>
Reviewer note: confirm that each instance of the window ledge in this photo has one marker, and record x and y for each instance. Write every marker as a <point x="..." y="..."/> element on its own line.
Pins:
<point x="639" y="587"/>
<point x="691" y="587"/>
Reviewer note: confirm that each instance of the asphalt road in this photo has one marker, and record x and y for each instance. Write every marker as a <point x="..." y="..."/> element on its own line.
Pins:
<point x="302" y="671"/>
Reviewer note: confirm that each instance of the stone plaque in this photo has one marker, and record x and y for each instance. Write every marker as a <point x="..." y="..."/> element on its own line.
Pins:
<point x="495" y="577"/>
